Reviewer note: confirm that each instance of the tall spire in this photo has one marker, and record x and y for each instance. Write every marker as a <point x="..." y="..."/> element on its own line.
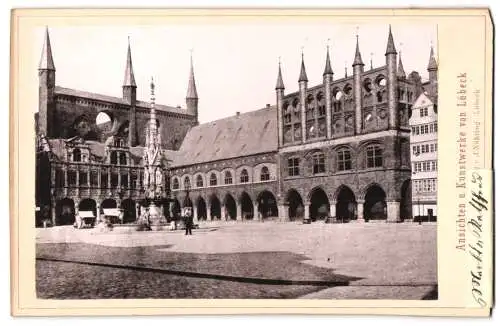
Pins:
<point x="279" y="81"/>
<point x="357" y="56"/>
<point x="46" y="60"/>
<point x="391" y="49"/>
<point x="303" y="75"/>
<point x="129" y="79"/>
<point x="152" y="115"/>
<point x="432" y="66"/>
<point x="401" y="71"/>
<point x="191" y="92"/>
<point x="328" y="66"/>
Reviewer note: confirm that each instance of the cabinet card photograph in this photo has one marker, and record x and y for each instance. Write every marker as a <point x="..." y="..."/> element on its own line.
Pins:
<point x="251" y="155"/>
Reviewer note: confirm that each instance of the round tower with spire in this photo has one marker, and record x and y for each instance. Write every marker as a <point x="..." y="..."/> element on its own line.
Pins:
<point x="327" y="81"/>
<point x="192" y="93"/>
<point x="129" y="91"/>
<point x="358" y="68"/>
<point x="46" y="90"/>
<point x="280" y="93"/>
<point x="392" y="81"/>
<point x="302" y="93"/>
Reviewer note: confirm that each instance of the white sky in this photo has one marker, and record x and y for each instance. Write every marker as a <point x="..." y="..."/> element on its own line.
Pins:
<point x="235" y="65"/>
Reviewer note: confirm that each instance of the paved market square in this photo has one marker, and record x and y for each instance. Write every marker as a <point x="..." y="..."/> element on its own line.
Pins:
<point x="241" y="260"/>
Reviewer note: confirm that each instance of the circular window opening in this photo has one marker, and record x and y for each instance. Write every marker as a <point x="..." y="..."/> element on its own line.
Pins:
<point x="104" y="122"/>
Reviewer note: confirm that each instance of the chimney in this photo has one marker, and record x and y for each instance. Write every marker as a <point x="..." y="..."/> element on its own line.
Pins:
<point x="237" y="113"/>
<point x="268" y="105"/>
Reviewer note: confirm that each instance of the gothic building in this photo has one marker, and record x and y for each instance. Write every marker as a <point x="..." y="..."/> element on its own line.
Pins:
<point x="340" y="148"/>
<point x="86" y="165"/>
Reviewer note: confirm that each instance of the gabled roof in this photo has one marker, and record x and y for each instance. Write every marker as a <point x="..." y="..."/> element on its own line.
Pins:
<point x="116" y="100"/>
<point x="240" y="135"/>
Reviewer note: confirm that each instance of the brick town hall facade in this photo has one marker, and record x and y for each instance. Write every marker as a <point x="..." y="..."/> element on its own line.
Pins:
<point x="340" y="149"/>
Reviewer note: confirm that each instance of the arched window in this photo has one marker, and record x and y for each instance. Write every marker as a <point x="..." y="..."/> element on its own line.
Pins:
<point x="114" y="158"/>
<point x="264" y="174"/>
<point x="77" y="155"/>
<point x="344" y="160"/>
<point x="123" y="159"/>
<point x="175" y="183"/>
<point x="318" y="163"/>
<point x="187" y="183"/>
<point x="213" y="179"/>
<point x="373" y="156"/>
<point x="244" y="176"/>
<point x="199" y="181"/>
<point x="228" y="178"/>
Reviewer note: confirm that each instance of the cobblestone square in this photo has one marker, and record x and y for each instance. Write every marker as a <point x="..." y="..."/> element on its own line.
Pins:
<point x="241" y="260"/>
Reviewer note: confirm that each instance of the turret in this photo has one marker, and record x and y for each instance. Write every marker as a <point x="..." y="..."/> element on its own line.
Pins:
<point x="392" y="82"/>
<point x="280" y="93"/>
<point x="327" y="81"/>
<point x="302" y="93"/>
<point x="129" y="91"/>
<point x="432" y="68"/>
<point x="358" y="67"/>
<point x="192" y="94"/>
<point x="46" y="89"/>
<point x="401" y="74"/>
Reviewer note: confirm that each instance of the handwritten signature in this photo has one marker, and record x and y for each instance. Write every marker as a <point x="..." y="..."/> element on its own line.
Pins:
<point x="475" y="226"/>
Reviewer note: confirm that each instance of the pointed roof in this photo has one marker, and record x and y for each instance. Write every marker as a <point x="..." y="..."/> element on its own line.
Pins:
<point x="129" y="79"/>
<point x="46" y="60"/>
<point x="279" y="81"/>
<point x="391" y="49"/>
<point x="192" y="92"/>
<point x="432" y="61"/>
<point x="401" y="71"/>
<point x="328" y="66"/>
<point x="357" y="56"/>
<point x="303" y="75"/>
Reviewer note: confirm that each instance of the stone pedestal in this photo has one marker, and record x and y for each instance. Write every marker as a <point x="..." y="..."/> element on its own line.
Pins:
<point x="393" y="211"/>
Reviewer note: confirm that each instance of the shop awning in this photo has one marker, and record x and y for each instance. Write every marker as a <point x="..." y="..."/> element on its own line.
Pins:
<point x="111" y="211"/>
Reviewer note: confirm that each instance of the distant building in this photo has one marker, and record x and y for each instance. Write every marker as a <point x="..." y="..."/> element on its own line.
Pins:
<point x="424" y="155"/>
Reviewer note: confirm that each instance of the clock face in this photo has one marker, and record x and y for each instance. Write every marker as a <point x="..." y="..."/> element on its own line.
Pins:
<point x="288" y="135"/>
<point x="382" y="114"/>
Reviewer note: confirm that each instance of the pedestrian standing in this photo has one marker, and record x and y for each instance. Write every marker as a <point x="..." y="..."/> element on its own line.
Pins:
<point x="188" y="220"/>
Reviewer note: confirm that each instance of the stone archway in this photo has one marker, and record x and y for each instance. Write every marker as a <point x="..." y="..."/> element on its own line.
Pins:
<point x="345" y="209"/>
<point x="65" y="212"/>
<point x="230" y="207"/>
<point x="88" y="204"/>
<point x="267" y="205"/>
<point x="129" y="211"/>
<point x="375" y="206"/>
<point x="201" y="207"/>
<point x="246" y="206"/>
<point x="295" y="205"/>
<point x="215" y="208"/>
<point x="320" y="205"/>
